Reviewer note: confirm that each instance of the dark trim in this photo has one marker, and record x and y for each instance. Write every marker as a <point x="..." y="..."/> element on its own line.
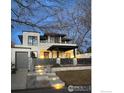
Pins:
<point x="57" y="54"/>
<point x="43" y="37"/>
<point x="54" y="34"/>
<point x="66" y="39"/>
<point x="61" y="47"/>
<point x="74" y="53"/>
<point x="32" y="38"/>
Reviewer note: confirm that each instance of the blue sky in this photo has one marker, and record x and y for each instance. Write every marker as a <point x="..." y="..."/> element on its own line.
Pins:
<point x="17" y="30"/>
<point x="43" y="12"/>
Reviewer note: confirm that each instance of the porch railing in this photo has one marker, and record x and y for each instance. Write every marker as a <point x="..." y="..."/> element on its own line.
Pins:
<point x="84" y="61"/>
<point x="63" y="61"/>
<point x="44" y="61"/>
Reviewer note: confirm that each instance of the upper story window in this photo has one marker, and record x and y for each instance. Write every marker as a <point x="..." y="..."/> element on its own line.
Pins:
<point x="57" y="39"/>
<point x="52" y="39"/>
<point x="32" y="40"/>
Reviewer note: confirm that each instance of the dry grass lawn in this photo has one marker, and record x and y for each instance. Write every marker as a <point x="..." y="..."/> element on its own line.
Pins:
<point x="76" y="77"/>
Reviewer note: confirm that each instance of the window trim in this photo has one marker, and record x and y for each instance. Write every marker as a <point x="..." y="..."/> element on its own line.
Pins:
<point x="32" y="38"/>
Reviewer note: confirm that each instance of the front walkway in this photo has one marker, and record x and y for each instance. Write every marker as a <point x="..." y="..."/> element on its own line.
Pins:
<point x="23" y="79"/>
<point x="18" y="80"/>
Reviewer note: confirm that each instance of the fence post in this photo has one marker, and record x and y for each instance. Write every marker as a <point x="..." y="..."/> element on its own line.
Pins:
<point x="58" y="60"/>
<point x="74" y="61"/>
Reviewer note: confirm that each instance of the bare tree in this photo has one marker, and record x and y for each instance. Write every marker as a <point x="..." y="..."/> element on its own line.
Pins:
<point x="75" y="23"/>
<point x="78" y="23"/>
<point x="32" y="12"/>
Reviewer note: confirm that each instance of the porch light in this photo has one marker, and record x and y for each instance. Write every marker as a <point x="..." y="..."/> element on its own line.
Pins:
<point x="58" y="86"/>
<point x="72" y="56"/>
<point x="54" y="78"/>
<point x="38" y="66"/>
<point x="41" y="57"/>
<point x="39" y="71"/>
<point x="86" y="54"/>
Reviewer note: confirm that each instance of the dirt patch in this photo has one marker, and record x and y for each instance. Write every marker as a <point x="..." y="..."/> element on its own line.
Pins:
<point x="76" y="77"/>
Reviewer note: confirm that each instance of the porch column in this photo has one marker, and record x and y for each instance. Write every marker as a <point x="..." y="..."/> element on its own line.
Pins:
<point x="58" y="59"/>
<point x="57" y="54"/>
<point x="52" y="53"/>
<point x="74" y="59"/>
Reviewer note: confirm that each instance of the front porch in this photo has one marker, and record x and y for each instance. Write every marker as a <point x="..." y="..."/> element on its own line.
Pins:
<point x="59" y="54"/>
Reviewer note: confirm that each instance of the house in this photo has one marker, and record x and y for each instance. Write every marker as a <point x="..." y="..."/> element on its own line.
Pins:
<point x="48" y="46"/>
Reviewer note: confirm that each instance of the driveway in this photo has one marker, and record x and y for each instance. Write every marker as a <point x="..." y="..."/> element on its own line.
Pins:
<point x="18" y="80"/>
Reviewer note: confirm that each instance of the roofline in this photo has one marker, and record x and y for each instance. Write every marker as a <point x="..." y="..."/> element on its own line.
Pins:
<point x="54" y="34"/>
<point x="47" y="33"/>
<point x="62" y="47"/>
<point x="31" y="31"/>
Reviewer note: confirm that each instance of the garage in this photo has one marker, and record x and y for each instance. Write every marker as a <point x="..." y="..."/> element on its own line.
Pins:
<point x="21" y="60"/>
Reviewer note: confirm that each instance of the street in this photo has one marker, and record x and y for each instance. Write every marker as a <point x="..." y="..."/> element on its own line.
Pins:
<point x="47" y="90"/>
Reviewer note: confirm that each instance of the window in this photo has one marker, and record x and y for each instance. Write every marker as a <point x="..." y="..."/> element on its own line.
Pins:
<point x="52" y="40"/>
<point x="46" y="54"/>
<point x="32" y="40"/>
<point x="43" y="41"/>
<point x="57" y="39"/>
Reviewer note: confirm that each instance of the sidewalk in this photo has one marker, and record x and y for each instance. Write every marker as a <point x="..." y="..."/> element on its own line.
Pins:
<point x="54" y="69"/>
<point x="18" y="80"/>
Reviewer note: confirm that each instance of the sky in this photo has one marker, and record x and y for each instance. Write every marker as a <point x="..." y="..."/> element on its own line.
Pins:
<point x="17" y="30"/>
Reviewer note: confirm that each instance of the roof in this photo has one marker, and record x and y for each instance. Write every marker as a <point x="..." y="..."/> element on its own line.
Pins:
<point x="31" y="31"/>
<point x="43" y="37"/>
<point x="62" y="47"/>
<point x="66" y="39"/>
<point x="54" y="34"/>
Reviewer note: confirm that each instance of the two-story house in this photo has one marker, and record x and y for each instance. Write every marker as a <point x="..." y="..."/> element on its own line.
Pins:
<point x="47" y="46"/>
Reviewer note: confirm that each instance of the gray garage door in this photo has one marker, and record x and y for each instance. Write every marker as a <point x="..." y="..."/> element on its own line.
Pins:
<point x="22" y="60"/>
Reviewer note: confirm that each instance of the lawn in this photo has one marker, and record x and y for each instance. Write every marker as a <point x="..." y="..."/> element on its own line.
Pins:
<point x="76" y="77"/>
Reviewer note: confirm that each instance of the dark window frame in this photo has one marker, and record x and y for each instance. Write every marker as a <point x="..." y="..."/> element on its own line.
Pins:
<point x="31" y="40"/>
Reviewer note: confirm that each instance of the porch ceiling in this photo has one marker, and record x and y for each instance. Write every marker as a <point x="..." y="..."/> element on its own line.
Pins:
<point x="61" y="47"/>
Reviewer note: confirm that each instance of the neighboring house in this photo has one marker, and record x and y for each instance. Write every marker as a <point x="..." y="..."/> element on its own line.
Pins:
<point x="47" y="46"/>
